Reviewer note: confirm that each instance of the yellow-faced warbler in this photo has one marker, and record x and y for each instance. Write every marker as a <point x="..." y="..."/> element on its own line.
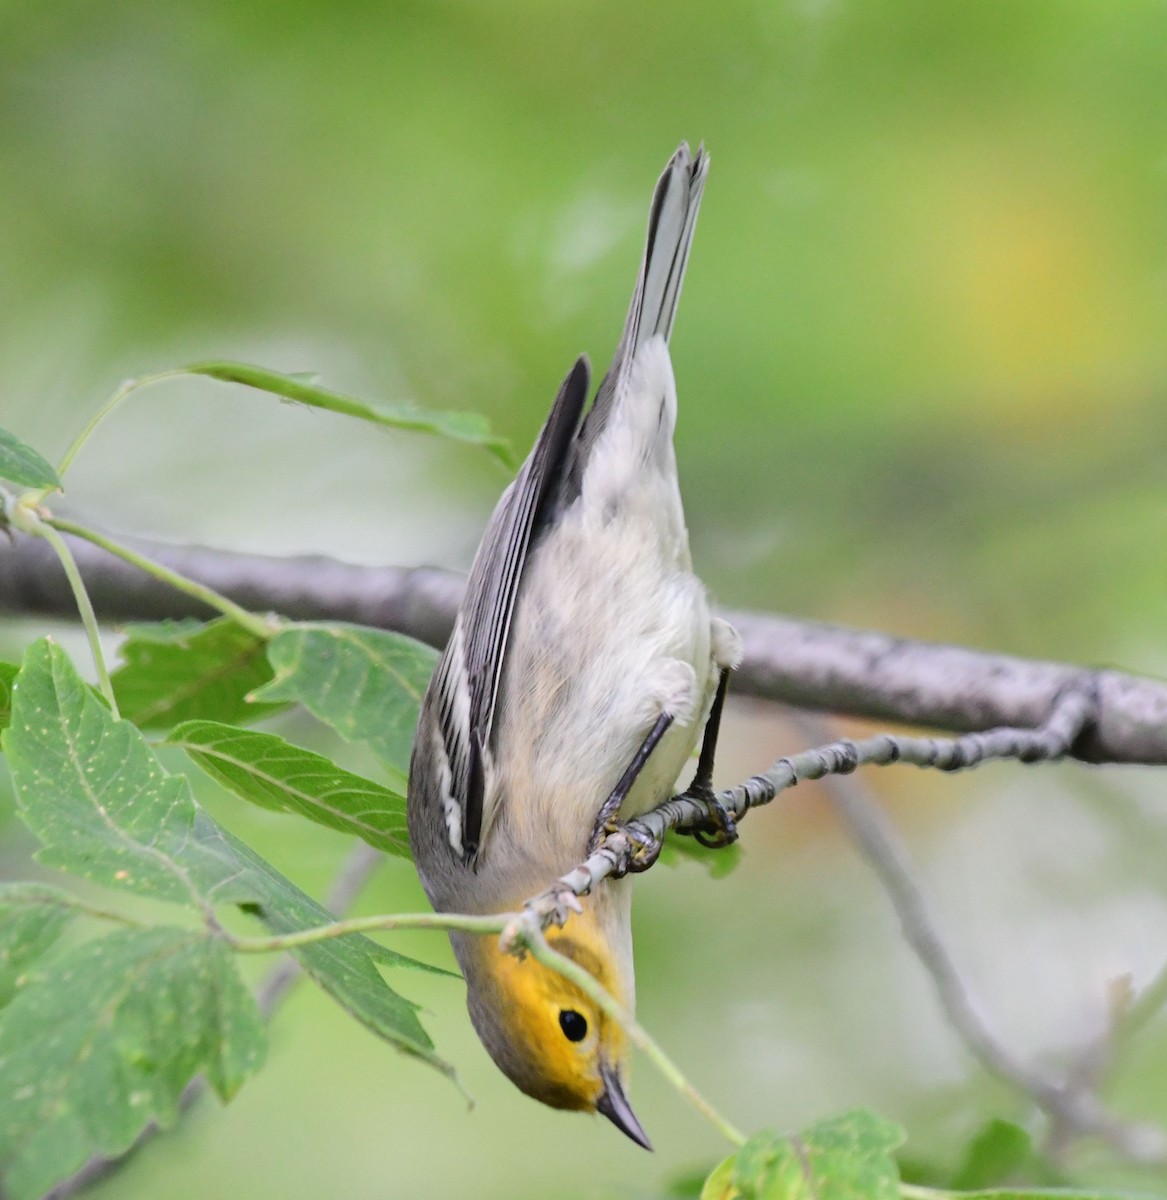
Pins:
<point x="583" y="664"/>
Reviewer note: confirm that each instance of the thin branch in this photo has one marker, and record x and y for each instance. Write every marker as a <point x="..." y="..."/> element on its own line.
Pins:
<point x="198" y="592"/>
<point x="84" y="606"/>
<point x="354" y="873"/>
<point x="542" y="952"/>
<point x="1073" y="1105"/>
<point x="1070" y="718"/>
<point x="803" y="663"/>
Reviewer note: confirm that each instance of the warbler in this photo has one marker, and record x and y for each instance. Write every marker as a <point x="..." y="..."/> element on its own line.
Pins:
<point x="583" y="663"/>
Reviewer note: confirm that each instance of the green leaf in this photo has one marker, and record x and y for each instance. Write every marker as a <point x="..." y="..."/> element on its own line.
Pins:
<point x="22" y="464"/>
<point x="997" y="1153"/>
<point x="365" y="683"/>
<point x="460" y="426"/>
<point x="188" y="671"/>
<point x="844" y="1158"/>
<point x="92" y="790"/>
<point x="32" y="917"/>
<point x="718" y="862"/>
<point x="8" y="672"/>
<point x="104" y="1040"/>
<point x="270" y="772"/>
<point x="95" y="795"/>
<point x="1038" y="1193"/>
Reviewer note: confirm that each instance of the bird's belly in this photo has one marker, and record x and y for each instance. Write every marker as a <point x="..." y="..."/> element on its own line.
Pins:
<point x="597" y="632"/>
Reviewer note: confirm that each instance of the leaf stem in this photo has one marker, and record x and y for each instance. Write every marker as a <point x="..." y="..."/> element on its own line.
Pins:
<point x="526" y="935"/>
<point x="375" y="924"/>
<point x="543" y="953"/>
<point x="259" y="626"/>
<point x="129" y="386"/>
<point x="43" y="528"/>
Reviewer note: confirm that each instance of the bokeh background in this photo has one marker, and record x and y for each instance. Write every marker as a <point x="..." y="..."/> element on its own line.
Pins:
<point x="921" y="362"/>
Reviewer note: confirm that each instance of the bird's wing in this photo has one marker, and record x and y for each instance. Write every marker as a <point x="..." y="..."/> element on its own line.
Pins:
<point x="466" y="685"/>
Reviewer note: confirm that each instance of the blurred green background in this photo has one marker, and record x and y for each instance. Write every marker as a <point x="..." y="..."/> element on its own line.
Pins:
<point x="921" y="363"/>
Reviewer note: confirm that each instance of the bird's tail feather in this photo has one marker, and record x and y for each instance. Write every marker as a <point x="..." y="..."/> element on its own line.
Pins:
<point x="671" y="222"/>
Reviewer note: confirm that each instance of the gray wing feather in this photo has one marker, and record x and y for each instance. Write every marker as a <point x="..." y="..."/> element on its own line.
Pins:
<point x="465" y="689"/>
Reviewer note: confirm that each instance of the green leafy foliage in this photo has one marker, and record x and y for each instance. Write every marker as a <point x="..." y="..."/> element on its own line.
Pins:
<point x="105" y="1039"/>
<point x="845" y="1158"/>
<point x="678" y="848"/>
<point x="95" y="795"/>
<point x="32" y="917"/>
<point x="186" y="671"/>
<point x="851" y="1157"/>
<point x="365" y="683"/>
<point x="1037" y="1193"/>
<point x="22" y="464"/>
<point x="460" y="426"/>
<point x="271" y="772"/>
<point x="1000" y="1152"/>
<point x="8" y="673"/>
<point x="92" y="790"/>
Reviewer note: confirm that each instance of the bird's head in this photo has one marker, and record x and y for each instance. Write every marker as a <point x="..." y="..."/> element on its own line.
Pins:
<point x="551" y="1039"/>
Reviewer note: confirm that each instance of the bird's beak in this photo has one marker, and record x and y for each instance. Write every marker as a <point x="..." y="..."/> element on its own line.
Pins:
<point x="614" y="1105"/>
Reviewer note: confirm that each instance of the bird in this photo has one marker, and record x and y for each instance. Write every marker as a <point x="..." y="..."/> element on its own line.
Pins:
<point x="583" y="664"/>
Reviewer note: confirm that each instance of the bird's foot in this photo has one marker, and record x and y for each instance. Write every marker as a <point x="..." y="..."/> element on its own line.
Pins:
<point x="640" y="849"/>
<point x="719" y="829"/>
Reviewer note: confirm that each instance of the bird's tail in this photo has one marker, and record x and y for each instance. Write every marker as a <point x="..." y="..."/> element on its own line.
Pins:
<point x="671" y="222"/>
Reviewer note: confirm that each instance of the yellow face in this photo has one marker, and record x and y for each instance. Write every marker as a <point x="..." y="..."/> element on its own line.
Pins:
<point x="545" y="1034"/>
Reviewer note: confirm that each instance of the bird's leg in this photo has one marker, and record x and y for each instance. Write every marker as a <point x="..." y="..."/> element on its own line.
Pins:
<point x="646" y="853"/>
<point x="721" y="829"/>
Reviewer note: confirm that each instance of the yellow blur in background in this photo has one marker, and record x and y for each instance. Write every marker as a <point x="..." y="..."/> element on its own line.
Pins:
<point x="921" y="363"/>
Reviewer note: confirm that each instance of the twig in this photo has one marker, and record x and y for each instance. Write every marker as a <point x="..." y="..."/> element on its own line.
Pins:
<point x="354" y="873"/>
<point x="803" y="663"/>
<point x="1072" y="1105"/>
<point x="84" y="606"/>
<point x="1071" y="716"/>
<point x="198" y="592"/>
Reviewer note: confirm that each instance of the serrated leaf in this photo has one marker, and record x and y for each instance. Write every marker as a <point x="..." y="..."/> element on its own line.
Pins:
<point x="271" y="772"/>
<point x="186" y="671"/>
<point x="91" y="789"/>
<point x="719" y="863"/>
<point x="844" y="1158"/>
<point x="366" y="683"/>
<point x="8" y="673"/>
<point x="104" y="1040"/>
<point x="32" y="917"/>
<point x="94" y="793"/>
<point x="21" y="464"/>
<point x="459" y="426"/>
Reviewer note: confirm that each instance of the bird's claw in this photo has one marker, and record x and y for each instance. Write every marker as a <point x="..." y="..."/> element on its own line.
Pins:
<point x="554" y="906"/>
<point x="640" y="849"/>
<point x="719" y="829"/>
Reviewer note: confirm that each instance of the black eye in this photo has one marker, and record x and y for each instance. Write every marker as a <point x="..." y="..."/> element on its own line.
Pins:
<point x="573" y="1024"/>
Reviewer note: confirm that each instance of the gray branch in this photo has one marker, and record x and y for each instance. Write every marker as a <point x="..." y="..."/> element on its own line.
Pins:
<point x="635" y="844"/>
<point x="803" y="663"/>
<point x="1072" y="1104"/>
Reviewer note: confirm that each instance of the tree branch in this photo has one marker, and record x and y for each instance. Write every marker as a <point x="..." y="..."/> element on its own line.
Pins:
<point x="804" y="663"/>
<point x="1072" y="1103"/>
